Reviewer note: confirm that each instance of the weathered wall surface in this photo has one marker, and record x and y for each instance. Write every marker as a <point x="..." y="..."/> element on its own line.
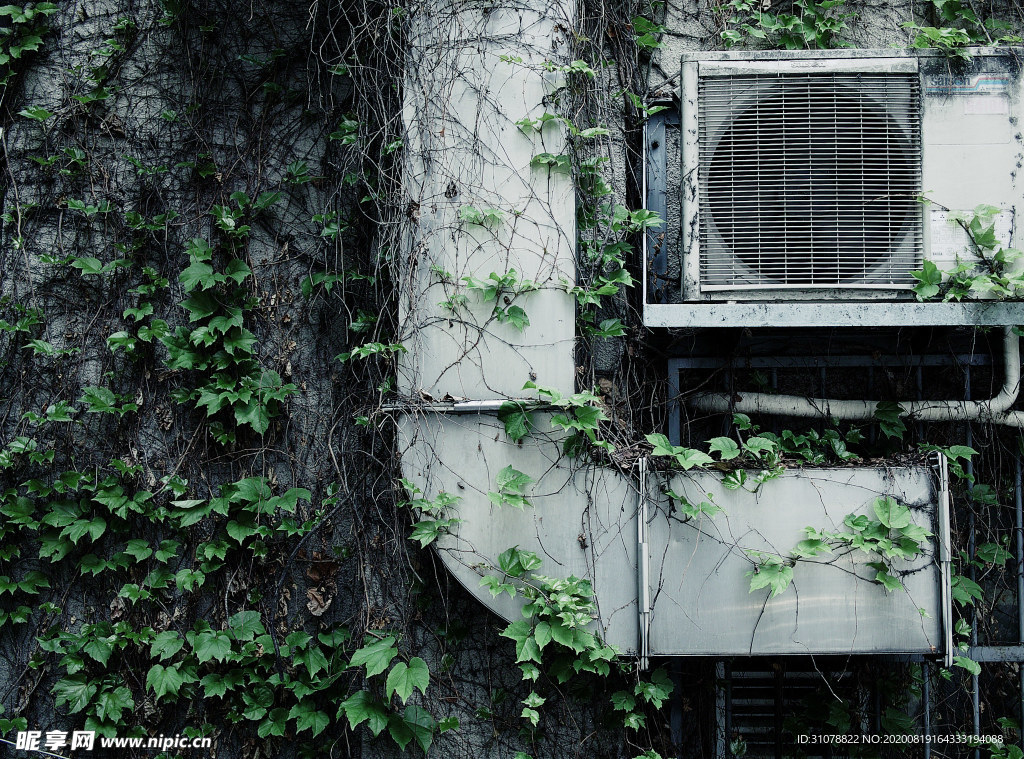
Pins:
<point x="155" y="114"/>
<point x="150" y="517"/>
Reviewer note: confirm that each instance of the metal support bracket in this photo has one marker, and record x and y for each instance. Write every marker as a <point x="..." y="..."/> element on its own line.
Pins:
<point x="945" y="562"/>
<point x="643" y="568"/>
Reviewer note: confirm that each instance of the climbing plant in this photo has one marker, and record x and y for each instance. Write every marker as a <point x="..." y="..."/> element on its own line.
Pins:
<point x="205" y="529"/>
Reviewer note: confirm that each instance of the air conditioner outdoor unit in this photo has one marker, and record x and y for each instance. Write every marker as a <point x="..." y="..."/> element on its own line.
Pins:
<point x="829" y="176"/>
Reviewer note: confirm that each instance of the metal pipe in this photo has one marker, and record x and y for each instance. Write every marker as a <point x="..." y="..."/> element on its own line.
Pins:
<point x="995" y="410"/>
<point x="972" y="541"/>
<point x="1018" y="503"/>
<point x="926" y="697"/>
<point x="945" y="563"/>
<point x="643" y="569"/>
<point x="728" y="709"/>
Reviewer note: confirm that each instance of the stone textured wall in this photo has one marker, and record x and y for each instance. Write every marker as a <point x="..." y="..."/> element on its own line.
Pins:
<point x="160" y="112"/>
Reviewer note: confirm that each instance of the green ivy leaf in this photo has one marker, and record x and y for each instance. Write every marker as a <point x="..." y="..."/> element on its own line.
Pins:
<point x="88" y="265"/>
<point x="771" y="573"/>
<point x="110" y="704"/>
<point x="756" y="445"/>
<point x="688" y="458"/>
<point x="929" y="279"/>
<point x="428" y="530"/>
<point x="542" y="634"/>
<point x="246" y="625"/>
<point x="634" y="721"/>
<point x="167" y="550"/>
<point x="657" y="690"/>
<point x="75" y="691"/>
<point x="965" y="590"/>
<point x="211" y="645"/>
<point x="275" y="723"/>
<point x="513" y="480"/>
<point x="198" y="274"/>
<point x="810" y="548"/>
<point x="967" y="663"/>
<point x="526" y="645"/>
<point x="308" y="717"/>
<point x="375" y="656"/>
<point x="240" y="531"/>
<point x="254" y="414"/>
<point x="100" y="649"/>
<point x="662" y="446"/>
<point x="164" y="681"/>
<point x="513" y="315"/>
<point x="36" y="113"/>
<point x="960" y="452"/>
<point x="361" y="707"/>
<point x="726" y="447"/>
<point x="239" y="341"/>
<point x="496" y="587"/>
<point x="403" y="679"/>
<point x="94" y="528"/>
<point x="313" y="658"/>
<point x="563" y="635"/>
<point x="992" y="553"/>
<point x="534" y="700"/>
<point x="623" y="701"/>
<point x="237" y="270"/>
<point x="200" y="305"/>
<point x="888" y="414"/>
<point x="416" y="723"/>
<point x="215" y="685"/>
<point x="884" y="578"/>
<point x="517" y="420"/>
<point x="515" y="562"/>
<point x="891" y="513"/>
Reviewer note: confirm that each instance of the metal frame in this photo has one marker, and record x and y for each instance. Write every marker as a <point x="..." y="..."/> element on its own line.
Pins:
<point x="655" y="192"/>
<point x="853" y="314"/>
<point x="643" y="569"/>
<point x="983" y="654"/>
<point x="654" y="267"/>
<point x="675" y="365"/>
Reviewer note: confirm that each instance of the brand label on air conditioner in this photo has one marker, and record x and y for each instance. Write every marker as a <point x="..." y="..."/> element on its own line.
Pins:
<point x="951" y="243"/>
<point x="974" y="84"/>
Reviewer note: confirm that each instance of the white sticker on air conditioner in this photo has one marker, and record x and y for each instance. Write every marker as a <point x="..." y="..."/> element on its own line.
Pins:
<point x="950" y="241"/>
<point x="987" y="105"/>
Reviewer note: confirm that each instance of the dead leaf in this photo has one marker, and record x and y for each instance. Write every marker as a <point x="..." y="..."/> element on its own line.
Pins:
<point x="317" y="605"/>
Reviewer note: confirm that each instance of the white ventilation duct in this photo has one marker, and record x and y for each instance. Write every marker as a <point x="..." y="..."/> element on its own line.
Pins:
<point x="649" y="568"/>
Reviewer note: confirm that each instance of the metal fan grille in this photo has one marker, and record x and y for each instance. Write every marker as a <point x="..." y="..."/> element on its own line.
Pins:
<point x="809" y="180"/>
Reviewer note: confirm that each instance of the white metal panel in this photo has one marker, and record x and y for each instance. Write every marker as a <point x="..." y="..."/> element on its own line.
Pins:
<point x="701" y="599"/>
<point x="970" y="126"/>
<point x="817" y="64"/>
<point x="837" y="311"/>
<point x="584" y="522"/>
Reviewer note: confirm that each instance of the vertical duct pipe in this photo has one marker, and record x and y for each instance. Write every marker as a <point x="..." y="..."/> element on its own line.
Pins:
<point x="475" y="204"/>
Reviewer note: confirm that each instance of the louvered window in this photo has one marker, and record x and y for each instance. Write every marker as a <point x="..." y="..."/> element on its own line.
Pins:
<point x="809" y="180"/>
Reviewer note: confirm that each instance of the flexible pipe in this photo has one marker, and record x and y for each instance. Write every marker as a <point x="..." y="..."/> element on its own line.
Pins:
<point x="996" y="409"/>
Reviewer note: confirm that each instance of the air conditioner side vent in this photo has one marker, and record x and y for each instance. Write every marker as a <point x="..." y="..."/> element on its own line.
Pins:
<point x="809" y="180"/>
